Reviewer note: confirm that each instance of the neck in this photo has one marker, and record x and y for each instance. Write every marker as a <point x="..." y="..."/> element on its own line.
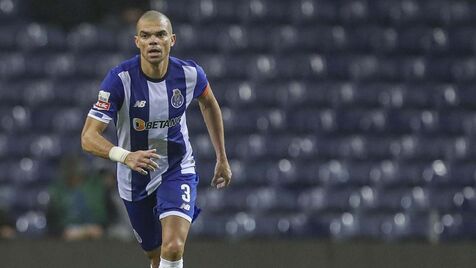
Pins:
<point x="155" y="71"/>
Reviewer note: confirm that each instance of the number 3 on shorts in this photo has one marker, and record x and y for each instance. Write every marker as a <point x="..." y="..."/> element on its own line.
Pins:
<point x="186" y="190"/>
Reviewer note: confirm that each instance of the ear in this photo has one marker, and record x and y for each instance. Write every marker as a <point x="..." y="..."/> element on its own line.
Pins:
<point x="136" y="40"/>
<point x="173" y="39"/>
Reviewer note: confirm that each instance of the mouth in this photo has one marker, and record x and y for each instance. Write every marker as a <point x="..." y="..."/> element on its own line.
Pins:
<point x="154" y="52"/>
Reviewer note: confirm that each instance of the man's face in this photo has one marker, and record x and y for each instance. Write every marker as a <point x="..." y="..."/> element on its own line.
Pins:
<point x="154" y="39"/>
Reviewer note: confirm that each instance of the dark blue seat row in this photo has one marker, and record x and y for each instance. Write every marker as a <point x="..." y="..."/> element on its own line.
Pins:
<point x="366" y="199"/>
<point x="340" y="226"/>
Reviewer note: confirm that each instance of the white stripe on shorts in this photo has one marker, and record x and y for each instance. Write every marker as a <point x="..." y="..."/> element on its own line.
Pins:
<point x="175" y="213"/>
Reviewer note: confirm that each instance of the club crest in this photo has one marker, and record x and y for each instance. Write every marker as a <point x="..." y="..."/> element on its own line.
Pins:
<point x="177" y="98"/>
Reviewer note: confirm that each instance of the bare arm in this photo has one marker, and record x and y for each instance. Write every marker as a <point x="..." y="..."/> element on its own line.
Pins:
<point x="93" y="141"/>
<point x="213" y="119"/>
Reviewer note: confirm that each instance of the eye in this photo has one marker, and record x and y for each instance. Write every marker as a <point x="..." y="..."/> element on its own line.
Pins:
<point x="144" y="35"/>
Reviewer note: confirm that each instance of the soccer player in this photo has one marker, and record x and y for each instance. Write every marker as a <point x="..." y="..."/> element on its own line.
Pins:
<point x="146" y="97"/>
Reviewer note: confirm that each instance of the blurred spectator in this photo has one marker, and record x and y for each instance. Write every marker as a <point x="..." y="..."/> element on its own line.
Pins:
<point x="118" y="225"/>
<point x="78" y="208"/>
<point x="6" y="228"/>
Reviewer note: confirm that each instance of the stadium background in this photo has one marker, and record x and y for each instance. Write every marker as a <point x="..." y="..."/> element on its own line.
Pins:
<point x="349" y="129"/>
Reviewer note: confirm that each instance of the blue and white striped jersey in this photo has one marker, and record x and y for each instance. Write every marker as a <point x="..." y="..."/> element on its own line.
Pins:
<point x="150" y="114"/>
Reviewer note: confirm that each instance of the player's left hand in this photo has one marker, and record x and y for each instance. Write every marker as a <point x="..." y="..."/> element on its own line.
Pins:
<point x="222" y="176"/>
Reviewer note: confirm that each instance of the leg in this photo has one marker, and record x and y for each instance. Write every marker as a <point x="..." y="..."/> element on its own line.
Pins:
<point x="146" y="226"/>
<point x="176" y="210"/>
<point x="154" y="257"/>
<point x="174" y="234"/>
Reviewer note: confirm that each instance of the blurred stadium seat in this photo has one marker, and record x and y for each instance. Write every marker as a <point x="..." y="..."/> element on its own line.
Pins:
<point x="344" y="119"/>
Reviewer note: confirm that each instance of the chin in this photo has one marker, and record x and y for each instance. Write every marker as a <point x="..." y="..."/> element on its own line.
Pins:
<point x="155" y="60"/>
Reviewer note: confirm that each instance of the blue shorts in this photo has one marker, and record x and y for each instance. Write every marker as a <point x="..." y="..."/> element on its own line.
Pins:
<point x="174" y="196"/>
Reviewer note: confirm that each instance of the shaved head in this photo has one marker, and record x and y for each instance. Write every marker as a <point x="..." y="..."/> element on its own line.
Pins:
<point x="154" y="38"/>
<point x="154" y="16"/>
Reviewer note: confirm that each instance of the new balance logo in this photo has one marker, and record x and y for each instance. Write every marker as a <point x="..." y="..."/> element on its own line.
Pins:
<point x="185" y="206"/>
<point x="140" y="103"/>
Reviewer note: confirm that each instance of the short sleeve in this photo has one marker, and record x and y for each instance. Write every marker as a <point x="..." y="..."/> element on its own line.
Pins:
<point x="110" y="99"/>
<point x="202" y="82"/>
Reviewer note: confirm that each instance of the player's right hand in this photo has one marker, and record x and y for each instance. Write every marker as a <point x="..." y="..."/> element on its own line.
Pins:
<point x="141" y="161"/>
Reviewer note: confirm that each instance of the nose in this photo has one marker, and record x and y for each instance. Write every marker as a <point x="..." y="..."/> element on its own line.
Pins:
<point x="154" y="40"/>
